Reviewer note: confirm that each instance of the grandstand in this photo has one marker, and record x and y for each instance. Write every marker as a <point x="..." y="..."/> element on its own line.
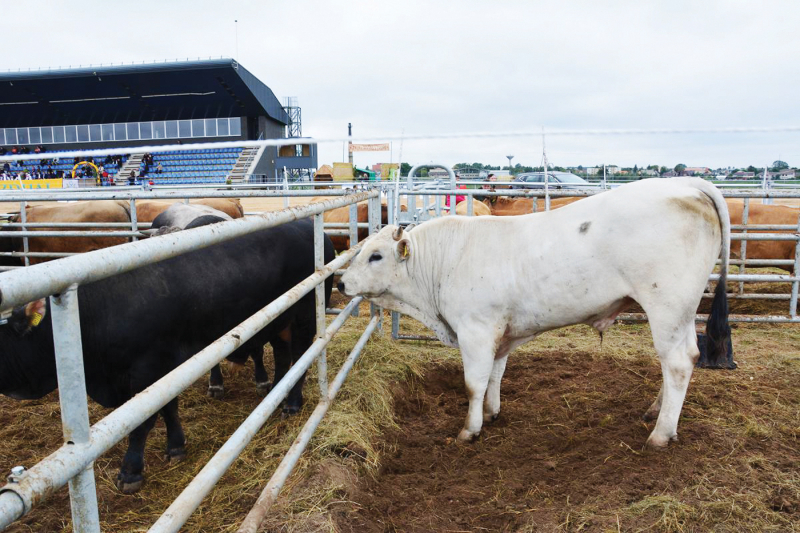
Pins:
<point x="149" y="104"/>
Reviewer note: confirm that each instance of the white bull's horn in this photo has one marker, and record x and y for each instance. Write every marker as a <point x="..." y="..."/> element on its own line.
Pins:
<point x="398" y="233"/>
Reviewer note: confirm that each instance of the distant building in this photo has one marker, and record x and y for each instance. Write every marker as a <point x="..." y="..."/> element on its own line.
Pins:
<point x="742" y="175"/>
<point x="785" y="174"/>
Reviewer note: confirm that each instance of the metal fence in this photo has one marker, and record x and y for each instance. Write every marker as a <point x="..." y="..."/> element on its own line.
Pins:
<point x="431" y="206"/>
<point x="73" y="462"/>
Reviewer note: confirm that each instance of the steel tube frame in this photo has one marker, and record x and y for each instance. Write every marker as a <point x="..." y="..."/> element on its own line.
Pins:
<point x="270" y="493"/>
<point x="745" y="236"/>
<point x="70" y="460"/>
<point x="192" y="496"/>
<point x="74" y="405"/>
<point x="319" y="298"/>
<point x="20" y="286"/>
<point x="165" y="195"/>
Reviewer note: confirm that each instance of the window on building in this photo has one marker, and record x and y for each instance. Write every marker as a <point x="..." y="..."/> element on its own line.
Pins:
<point x="198" y="129"/>
<point x="35" y="135"/>
<point x="71" y="134"/>
<point x="236" y="126"/>
<point x="47" y="135"/>
<point x="159" y="131"/>
<point x="11" y="136"/>
<point x="133" y="131"/>
<point x="222" y="126"/>
<point x="95" y="132"/>
<point x="211" y="127"/>
<point x="172" y="129"/>
<point x="184" y="128"/>
<point x="83" y="133"/>
<point x="120" y="133"/>
<point x="58" y="134"/>
<point x="146" y="130"/>
<point x="22" y="136"/>
<point x="108" y="132"/>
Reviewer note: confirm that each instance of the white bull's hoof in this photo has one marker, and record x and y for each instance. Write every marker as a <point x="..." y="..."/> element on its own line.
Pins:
<point x="658" y="442"/>
<point x="467" y="435"/>
<point x="488" y="418"/>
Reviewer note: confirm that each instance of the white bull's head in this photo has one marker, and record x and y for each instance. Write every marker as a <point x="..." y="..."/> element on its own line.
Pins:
<point x="380" y="269"/>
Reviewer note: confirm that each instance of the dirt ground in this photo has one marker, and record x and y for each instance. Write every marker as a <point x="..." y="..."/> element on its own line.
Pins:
<point x="565" y="455"/>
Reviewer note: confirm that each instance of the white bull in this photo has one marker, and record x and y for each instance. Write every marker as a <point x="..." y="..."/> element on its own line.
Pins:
<point x="490" y="284"/>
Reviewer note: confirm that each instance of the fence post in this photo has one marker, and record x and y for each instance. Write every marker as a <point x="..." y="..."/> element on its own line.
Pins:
<point x="22" y="217"/>
<point x="470" y="208"/>
<point x="134" y="221"/>
<point x="354" y="237"/>
<point x="795" y="284"/>
<point x="375" y="220"/>
<point x="319" y="293"/>
<point x="74" y="408"/>
<point x="743" y="242"/>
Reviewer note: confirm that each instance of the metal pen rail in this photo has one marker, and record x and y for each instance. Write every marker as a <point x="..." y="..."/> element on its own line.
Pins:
<point x="73" y="462"/>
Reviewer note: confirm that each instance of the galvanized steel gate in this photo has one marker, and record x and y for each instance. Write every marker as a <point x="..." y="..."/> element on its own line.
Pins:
<point x="73" y="462"/>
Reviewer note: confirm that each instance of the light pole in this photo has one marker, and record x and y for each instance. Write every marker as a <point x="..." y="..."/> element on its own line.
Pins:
<point x="510" y="157"/>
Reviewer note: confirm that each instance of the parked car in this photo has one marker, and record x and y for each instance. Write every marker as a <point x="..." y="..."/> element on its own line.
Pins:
<point x="555" y="180"/>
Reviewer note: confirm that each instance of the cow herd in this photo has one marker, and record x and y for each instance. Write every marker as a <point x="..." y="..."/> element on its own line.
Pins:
<point x="653" y="242"/>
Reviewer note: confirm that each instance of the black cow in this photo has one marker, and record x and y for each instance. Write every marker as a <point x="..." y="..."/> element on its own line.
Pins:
<point x="138" y="326"/>
<point x="163" y="225"/>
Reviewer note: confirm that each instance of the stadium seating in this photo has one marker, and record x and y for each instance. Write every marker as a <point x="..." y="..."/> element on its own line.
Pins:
<point x="194" y="166"/>
<point x="65" y="164"/>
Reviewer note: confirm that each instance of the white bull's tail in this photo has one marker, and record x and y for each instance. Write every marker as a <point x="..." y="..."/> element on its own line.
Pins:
<point x="718" y="331"/>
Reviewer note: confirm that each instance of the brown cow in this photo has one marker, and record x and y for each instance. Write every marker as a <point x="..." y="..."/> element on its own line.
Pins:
<point x="92" y="211"/>
<point x="148" y="210"/>
<point x="505" y="206"/>
<point x="764" y="214"/>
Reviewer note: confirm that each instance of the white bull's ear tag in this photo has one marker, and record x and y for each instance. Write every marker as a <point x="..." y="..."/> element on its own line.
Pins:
<point x="403" y="249"/>
<point x="35" y="312"/>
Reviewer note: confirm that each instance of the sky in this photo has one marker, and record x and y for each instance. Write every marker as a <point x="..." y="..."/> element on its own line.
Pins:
<point x="403" y="70"/>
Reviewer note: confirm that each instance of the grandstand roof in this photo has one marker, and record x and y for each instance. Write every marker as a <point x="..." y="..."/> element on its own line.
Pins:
<point x="133" y="93"/>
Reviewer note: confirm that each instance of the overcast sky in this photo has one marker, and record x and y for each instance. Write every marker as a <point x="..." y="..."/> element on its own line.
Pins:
<point x="430" y="68"/>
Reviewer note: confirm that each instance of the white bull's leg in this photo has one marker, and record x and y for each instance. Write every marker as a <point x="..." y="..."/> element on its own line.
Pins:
<point x="477" y="354"/>
<point x="491" y="402"/>
<point x="677" y="350"/>
<point x="655" y="408"/>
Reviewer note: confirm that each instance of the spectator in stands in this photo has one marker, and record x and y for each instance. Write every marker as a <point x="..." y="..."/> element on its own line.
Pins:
<point x="2" y="150"/>
<point x="6" y="167"/>
<point x="37" y="149"/>
<point x="159" y="168"/>
<point x="132" y="178"/>
<point x="14" y="150"/>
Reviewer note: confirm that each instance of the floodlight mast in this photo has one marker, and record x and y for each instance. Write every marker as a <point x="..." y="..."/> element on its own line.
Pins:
<point x="510" y="157"/>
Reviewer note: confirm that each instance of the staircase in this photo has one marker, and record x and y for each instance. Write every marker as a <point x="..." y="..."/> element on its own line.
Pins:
<point x="132" y="163"/>
<point x="245" y="164"/>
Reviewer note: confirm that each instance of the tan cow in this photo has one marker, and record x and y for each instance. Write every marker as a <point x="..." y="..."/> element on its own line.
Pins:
<point x="342" y="215"/>
<point x="148" y="210"/>
<point x="92" y="211"/>
<point x="764" y="214"/>
<point x="479" y="209"/>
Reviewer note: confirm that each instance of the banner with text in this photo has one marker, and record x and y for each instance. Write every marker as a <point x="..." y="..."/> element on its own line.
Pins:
<point x="383" y="147"/>
<point x="30" y="184"/>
